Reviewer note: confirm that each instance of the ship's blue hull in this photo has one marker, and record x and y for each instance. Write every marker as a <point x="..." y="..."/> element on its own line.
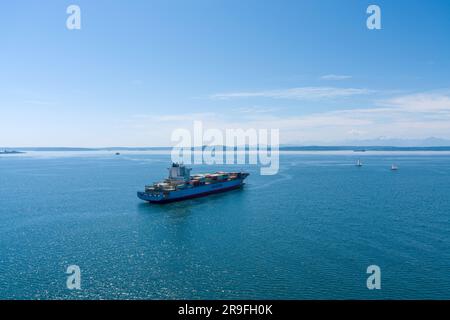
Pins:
<point x="190" y="193"/>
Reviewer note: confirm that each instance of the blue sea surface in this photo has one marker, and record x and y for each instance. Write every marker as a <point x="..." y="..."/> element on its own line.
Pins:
<point x="309" y="232"/>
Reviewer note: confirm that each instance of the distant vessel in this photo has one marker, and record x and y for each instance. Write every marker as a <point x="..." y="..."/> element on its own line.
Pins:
<point x="180" y="185"/>
<point x="394" y="167"/>
<point x="117" y="153"/>
<point x="359" y="163"/>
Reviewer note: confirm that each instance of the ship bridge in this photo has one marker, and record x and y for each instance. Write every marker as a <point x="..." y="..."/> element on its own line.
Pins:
<point x="179" y="173"/>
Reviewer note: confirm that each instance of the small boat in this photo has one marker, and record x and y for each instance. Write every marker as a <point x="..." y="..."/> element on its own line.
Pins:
<point x="117" y="153"/>
<point x="394" y="167"/>
<point x="359" y="163"/>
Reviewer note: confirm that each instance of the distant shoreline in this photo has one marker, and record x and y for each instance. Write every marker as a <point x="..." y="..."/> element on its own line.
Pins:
<point x="356" y="149"/>
<point x="11" y="152"/>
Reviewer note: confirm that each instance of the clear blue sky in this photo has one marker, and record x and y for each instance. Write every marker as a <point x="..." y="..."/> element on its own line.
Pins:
<point x="139" y="69"/>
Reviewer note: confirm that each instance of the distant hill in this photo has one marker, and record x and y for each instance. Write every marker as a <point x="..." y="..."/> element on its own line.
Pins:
<point x="362" y="148"/>
<point x="428" y="142"/>
<point x="356" y="148"/>
<point x="378" y="144"/>
<point x="10" y="152"/>
<point x="57" y="149"/>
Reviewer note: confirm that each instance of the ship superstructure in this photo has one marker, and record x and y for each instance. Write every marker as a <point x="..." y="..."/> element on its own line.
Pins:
<point x="181" y="185"/>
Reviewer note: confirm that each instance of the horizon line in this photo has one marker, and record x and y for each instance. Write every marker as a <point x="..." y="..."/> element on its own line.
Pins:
<point x="287" y="146"/>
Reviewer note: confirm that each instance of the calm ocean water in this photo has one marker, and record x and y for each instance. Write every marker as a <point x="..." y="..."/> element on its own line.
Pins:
<point x="307" y="233"/>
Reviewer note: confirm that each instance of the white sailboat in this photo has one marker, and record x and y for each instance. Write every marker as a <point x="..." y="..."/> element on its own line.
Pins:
<point x="394" y="167"/>
<point x="359" y="163"/>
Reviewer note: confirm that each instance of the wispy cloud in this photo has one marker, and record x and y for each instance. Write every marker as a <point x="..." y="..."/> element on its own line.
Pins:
<point x="301" y="93"/>
<point x="414" y="116"/>
<point x="39" y="102"/>
<point x="422" y="102"/>
<point x="204" y="116"/>
<point x="257" y="110"/>
<point x="335" y="77"/>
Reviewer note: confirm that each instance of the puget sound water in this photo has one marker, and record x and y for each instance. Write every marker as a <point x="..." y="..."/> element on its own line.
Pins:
<point x="309" y="232"/>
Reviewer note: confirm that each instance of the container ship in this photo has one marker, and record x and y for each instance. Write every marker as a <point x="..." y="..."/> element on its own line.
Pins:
<point x="181" y="185"/>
